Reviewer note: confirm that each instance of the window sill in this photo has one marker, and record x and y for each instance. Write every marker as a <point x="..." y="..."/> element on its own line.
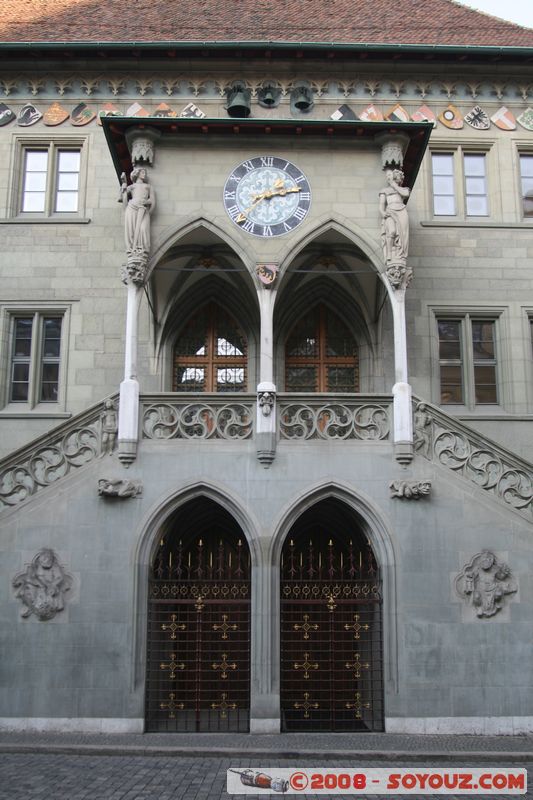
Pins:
<point x="9" y="414"/>
<point x="57" y="220"/>
<point x="438" y="223"/>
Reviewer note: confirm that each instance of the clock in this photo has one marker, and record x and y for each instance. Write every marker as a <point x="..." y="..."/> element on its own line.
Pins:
<point x="267" y="196"/>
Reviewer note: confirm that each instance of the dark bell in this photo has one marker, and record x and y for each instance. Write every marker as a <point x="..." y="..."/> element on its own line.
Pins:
<point x="239" y="105"/>
<point x="302" y="100"/>
<point x="268" y="98"/>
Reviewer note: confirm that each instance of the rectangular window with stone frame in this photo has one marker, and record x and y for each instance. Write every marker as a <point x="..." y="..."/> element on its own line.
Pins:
<point x="526" y="184"/>
<point x="459" y="184"/>
<point x="467" y="360"/>
<point x="48" y="180"/>
<point x="35" y="358"/>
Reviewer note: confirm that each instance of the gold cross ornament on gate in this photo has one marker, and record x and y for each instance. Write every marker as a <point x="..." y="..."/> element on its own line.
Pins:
<point x="172" y="665"/>
<point x="357" y="705"/>
<point x="306" y="626"/>
<point x="306" y="705"/>
<point x="223" y="706"/>
<point x="225" y="626"/>
<point x="356" y="627"/>
<point x="172" y="705"/>
<point x="305" y="665"/>
<point x="357" y="666"/>
<point x="224" y="666"/>
<point x="173" y="626"/>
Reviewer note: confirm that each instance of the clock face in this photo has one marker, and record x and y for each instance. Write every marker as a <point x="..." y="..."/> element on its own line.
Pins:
<point x="267" y="196"/>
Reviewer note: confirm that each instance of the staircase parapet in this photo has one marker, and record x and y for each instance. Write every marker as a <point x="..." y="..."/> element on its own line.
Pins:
<point x="197" y="416"/>
<point x="52" y="456"/>
<point x="445" y="440"/>
<point x="338" y="416"/>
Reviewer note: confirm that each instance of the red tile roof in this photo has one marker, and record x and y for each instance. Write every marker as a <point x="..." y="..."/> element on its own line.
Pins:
<point x="430" y="22"/>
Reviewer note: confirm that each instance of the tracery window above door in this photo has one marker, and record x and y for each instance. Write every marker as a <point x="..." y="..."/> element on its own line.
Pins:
<point x="321" y="355"/>
<point x="210" y="354"/>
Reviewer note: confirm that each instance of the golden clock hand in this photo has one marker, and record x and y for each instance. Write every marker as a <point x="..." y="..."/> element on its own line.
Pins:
<point x="257" y="199"/>
<point x="282" y="191"/>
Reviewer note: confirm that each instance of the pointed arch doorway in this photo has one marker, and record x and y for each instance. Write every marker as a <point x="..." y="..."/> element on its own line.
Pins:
<point x="198" y="643"/>
<point x="331" y="624"/>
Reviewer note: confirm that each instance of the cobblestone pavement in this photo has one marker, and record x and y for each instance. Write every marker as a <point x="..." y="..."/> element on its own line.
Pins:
<point x="36" y="776"/>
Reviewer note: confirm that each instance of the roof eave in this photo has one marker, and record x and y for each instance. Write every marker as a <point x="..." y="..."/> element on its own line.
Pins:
<point x="272" y="45"/>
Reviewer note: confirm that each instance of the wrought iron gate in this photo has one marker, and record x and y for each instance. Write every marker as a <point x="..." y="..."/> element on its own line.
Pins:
<point x="331" y="636"/>
<point x="198" y="670"/>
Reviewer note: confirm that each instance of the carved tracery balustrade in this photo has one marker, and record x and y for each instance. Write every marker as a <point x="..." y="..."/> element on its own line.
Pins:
<point x="365" y="418"/>
<point x="51" y="457"/>
<point x="215" y="417"/>
<point x="446" y="441"/>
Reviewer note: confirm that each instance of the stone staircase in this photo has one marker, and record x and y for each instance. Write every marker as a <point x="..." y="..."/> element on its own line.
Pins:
<point x="439" y="438"/>
<point x="444" y="440"/>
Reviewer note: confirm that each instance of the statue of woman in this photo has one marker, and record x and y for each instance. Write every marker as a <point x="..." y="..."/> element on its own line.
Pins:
<point x="395" y="220"/>
<point x="140" y="200"/>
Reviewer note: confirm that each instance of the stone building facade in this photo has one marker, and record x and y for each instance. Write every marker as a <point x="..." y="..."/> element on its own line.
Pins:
<point x="266" y="370"/>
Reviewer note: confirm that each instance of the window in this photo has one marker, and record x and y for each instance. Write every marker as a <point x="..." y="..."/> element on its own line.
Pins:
<point x="526" y="175"/>
<point x="210" y="354"/>
<point x="467" y="361"/>
<point x="451" y="169"/>
<point x="321" y="355"/>
<point x="50" y="175"/>
<point x="35" y="358"/>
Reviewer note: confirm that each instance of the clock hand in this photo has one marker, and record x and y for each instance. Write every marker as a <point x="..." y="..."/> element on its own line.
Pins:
<point x="282" y="191"/>
<point x="257" y="199"/>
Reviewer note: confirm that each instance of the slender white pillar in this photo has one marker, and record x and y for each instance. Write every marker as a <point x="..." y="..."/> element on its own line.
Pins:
<point x="401" y="391"/>
<point x="128" y="417"/>
<point x="266" y="388"/>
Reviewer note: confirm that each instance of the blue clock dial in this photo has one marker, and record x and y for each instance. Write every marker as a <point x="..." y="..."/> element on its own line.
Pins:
<point x="267" y="196"/>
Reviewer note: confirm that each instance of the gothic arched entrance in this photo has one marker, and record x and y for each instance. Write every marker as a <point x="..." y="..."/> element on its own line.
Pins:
<point x="198" y="659"/>
<point x="331" y="624"/>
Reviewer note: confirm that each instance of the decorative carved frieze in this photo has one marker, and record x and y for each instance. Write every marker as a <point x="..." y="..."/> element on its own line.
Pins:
<point x="446" y="441"/>
<point x="217" y="419"/>
<point x="43" y="586"/>
<point x="410" y="490"/>
<point x="119" y="487"/>
<point x="349" y="420"/>
<point x="484" y="583"/>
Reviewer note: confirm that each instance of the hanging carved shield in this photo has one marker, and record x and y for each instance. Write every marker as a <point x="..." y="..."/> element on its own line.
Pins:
<point x="55" y="115"/>
<point x="28" y="115"/>
<point x="504" y="119"/>
<point x="82" y="115"/>
<point x="451" y="118"/>
<point x="478" y="119"/>
<point x="6" y="115"/>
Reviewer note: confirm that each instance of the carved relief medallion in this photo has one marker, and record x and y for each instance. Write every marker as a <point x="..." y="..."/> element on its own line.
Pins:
<point x="42" y="586"/>
<point x="484" y="583"/>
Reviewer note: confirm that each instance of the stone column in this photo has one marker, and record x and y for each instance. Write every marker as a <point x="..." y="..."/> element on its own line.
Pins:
<point x="138" y="198"/>
<point x="397" y="276"/>
<point x="266" y="416"/>
<point x="128" y="416"/>
<point x="264" y="678"/>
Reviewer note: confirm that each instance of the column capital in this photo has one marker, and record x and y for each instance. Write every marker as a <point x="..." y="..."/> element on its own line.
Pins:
<point x="141" y="144"/>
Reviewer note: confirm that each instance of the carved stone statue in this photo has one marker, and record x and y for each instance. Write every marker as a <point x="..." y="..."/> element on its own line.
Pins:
<point x="484" y="582"/>
<point x="109" y="420"/>
<point x="422" y="432"/>
<point x="119" y="487"/>
<point x="394" y="219"/>
<point x="139" y="199"/>
<point x="42" y="587"/>
<point x="410" y="490"/>
<point x="266" y="402"/>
